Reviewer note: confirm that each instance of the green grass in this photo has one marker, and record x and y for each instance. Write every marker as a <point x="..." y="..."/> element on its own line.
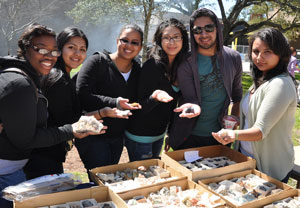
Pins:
<point x="296" y="129"/>
<point x="297" y="76"/>
<point x="82" y="176"/>
<point x="246" y="82"/>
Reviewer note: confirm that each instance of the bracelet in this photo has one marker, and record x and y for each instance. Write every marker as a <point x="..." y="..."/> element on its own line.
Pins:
<point x="236" y="135"/>
<point x="99" y="112"/>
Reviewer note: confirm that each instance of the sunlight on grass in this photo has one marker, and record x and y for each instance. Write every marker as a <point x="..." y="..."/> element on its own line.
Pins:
<point x="246" y="82"/>
<point x="296" y="130"/>
<point x="82" y="176"/>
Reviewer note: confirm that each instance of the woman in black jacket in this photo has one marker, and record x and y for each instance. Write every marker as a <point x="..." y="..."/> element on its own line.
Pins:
<point x="157" y="91"/>
<point x="109" y="79"/>
<point x="63" y="103"/>
<point x="23" y="109"/>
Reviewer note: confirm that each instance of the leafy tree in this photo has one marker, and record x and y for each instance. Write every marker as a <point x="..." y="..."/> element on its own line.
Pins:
<point x="249" y="15"/>
<point x="115" y="11"/>
<point x="15" y="15"/>
<point x="187" y="7"/>
<point x="281" y="14"/>
<point x="102" y="11"/>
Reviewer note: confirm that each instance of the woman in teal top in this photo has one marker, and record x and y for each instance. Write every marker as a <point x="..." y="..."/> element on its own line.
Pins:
<point x="269" y="107"/>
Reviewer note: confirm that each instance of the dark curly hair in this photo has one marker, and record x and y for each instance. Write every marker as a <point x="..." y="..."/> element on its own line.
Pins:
<point x="279" y="45"/>
<point x="30" y="32"/>
<point x="159" y="54"/>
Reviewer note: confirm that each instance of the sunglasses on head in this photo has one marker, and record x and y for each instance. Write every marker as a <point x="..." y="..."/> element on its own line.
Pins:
<point x="44" y="51"/>
<point x="208" y="28"/>
<point x="125" y="41"/>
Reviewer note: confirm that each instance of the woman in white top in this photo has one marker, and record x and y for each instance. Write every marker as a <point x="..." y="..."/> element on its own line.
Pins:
<point x="268" y="108"/>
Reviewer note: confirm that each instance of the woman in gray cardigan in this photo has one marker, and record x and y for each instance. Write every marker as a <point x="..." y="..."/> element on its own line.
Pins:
<point x="268" y="108"/>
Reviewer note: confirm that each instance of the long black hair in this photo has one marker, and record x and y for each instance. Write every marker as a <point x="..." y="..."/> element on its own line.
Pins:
<point x="160" y="55"/>
<point x="276" y="41"/>
<point x="60" y="67"/>
<point x="62" y="38"/>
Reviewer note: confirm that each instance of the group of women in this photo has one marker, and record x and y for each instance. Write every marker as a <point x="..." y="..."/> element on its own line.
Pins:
<point x="107" y="85"/>
<point x="39" y="105"/>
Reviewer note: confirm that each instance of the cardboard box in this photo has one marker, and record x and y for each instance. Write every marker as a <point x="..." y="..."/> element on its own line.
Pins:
<point x="131" y="165"/>
<point x="288" y="193"/>
<point x="256" y="203"/>
<point x="183" y="182"/>
<point x="243" y="162"/>
<point x="101" y="194"/>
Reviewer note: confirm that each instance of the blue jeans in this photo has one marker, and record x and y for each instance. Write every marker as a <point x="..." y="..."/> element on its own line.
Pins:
<point x="10" y="180"/>
<point x="143" y="151"/>
<point x="96" y="151"/>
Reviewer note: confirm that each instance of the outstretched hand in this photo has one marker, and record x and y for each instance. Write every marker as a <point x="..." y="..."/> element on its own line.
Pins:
<point x="116" y="113"/>
<point x="161" y="96"/>
<point x="224" y="136"/>
<point x="80" y="135"/>
<point x="188" y="110"/>
<point x="123" y="103"/>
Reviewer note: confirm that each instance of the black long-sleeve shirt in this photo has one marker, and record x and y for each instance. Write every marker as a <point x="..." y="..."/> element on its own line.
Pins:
<point x="63" y="108"/>
<point x="154" y="117"/>
<point x="99" y="84"/>
<point x="63" y="102"/>
<point x="24" y="117"/>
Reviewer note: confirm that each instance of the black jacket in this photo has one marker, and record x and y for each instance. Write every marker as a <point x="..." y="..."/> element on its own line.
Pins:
<point x="63" y="108"/>
<point x="99" y="84"/>
<point x="154" y="117"/>
<point x="24" y="117"/>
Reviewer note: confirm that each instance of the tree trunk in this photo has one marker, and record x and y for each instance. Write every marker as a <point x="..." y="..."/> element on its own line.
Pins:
<point x="145" y="47"/>
<point x="148" y="8"/>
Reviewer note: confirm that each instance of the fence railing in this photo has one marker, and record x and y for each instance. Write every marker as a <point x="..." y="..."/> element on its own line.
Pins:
<point x="243" y="50"/>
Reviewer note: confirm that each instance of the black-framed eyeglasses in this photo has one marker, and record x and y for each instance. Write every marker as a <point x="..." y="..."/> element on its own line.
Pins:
<point x="168" y="39"/>
<point x="208" y="28"/>
<point x="44" y="51"/>
<point x="125" y="41"/>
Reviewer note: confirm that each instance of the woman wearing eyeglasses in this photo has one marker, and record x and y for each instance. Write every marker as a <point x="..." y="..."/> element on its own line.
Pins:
<point x="63" y="103"/>
<point x="157" y="91"/>
<point x="23" y="109"/>
<point x="109" y="79"/>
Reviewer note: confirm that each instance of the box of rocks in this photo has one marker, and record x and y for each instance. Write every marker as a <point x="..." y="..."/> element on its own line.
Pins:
<point x="290" y="198"/>
<point x="247" y="189"/>
<point x="207" y="162"/>
<point x="133" y="175"/>
<point x="96" y="197"/>
<point x="180" y="193"/>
